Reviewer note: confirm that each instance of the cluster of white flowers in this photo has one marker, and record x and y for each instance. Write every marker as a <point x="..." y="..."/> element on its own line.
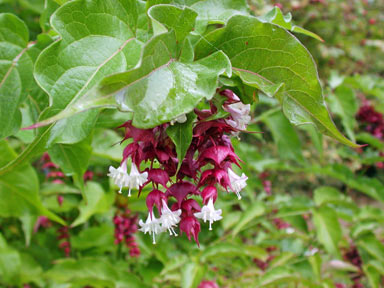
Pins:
<point x="240" y="115"/>
<point x="122" y="179"/>
<point x="168" y="220"/>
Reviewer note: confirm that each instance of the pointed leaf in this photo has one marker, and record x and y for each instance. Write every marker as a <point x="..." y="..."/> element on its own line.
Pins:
<point x="181" y="135"/>
<point x="262" y="55"/>
<point x="66" y="70"/>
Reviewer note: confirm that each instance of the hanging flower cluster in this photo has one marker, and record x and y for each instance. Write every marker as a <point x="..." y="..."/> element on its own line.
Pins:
<point x="206" y="167"/>
<point x="373" y="120"/>
<point x="125" y="228"/>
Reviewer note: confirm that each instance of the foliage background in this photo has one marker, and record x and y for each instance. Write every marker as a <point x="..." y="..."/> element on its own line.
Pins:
<point x="313" y="214"/>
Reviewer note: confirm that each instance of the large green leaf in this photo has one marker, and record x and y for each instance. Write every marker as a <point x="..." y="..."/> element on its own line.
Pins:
<point x="269" y="58"/>
<point x="16" y="68"/>
<point x="328" y="229"/>
<point x="160" y="89"/>
<point x="19" y="190"/>
<point x="67" y="69"/>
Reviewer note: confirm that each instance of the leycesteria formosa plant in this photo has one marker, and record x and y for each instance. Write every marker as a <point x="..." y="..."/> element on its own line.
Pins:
<point x="183" y="73"/>
<point x="177" y="182"/>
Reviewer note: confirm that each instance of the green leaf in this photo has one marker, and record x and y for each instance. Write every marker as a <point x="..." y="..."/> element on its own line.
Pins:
<point x="100" y="237"/>
<point x="275" y="16"/>
<point x="286" y="138"/>
<point x="96" y="201"/>
<point x="328" y="229"/>
<point x="232" y="250"/>
<point x="169" y="17"/>
<point x="192" y="274"/>
<point x="374" y="277"/>
<point x="97" y="272"/>
<point x="10" y="263"/>
<point x="327" y="194"/>
<point x="343" y="103"/>
<point x="19" y="190"/>
<point x="181" y="135"/>
<point x="66" y="69"/>
<point x="106" y="144"/>
<point x="269" y="58"/>
<point x="160" y="89"/>
<point x="16" y="68"/>
<point x="72" y="159"/>
<point x="253" y="211"/>
<point x="276" y="276"/>
<point x="372" y="246"/>
<point x="38" y="146"/>
<point x="217" y="11"/>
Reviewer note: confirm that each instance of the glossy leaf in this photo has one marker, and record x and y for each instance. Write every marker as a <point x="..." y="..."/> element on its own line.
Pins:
<point x="66" y="70"/>
<point x="270" y="59"/>
<point x="160" y="89"/>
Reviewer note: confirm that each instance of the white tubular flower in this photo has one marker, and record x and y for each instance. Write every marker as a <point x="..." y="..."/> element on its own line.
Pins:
<point x="136" y="179"/>
<point x="208" y="213"/>
<point x="151" y="226"/>
<point x="120" y="176"/>
<point x="240" y="115"/>
<point x="180" y="119"/>
<point x="237" y="182"/>
<point x="169" y="218"/>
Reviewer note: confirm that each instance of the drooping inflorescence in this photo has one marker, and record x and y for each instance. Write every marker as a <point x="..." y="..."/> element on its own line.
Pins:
<point x="206" y="168"/>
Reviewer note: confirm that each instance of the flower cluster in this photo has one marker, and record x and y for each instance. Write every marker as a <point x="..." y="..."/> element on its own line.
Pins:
<point x="373" y="120"/>
<point x="206" y="167"/>
<point x="125" y="227"/>
<point x="64" y="239"/>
